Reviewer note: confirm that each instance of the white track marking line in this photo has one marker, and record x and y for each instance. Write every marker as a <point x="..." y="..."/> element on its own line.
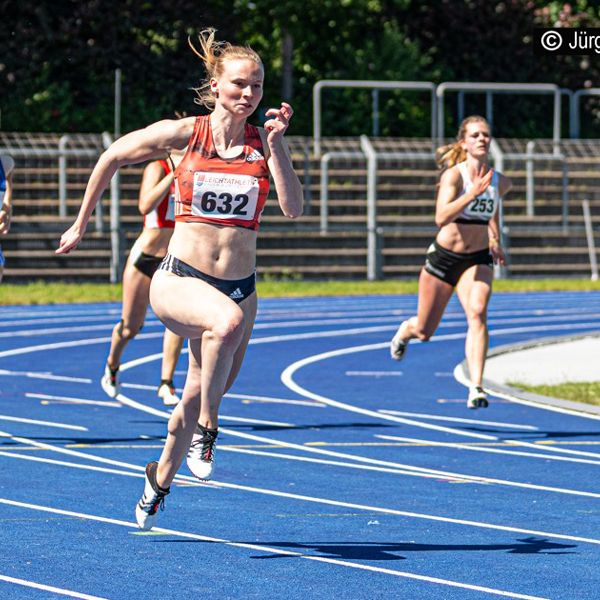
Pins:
<point x="272" y="550"/>
<point x="49" y="376"/>
<point x="317" y="500"/>
<point x="288" y="373"/>
<point x="489" y="450"/>
<point x="268" y="399"/>
<point x="44" y="423"/>
<point x="183" y="480"/>
<point x="49" y="588"/>
<point x="265" y="399"/>
<point x="72" y="465"/>
<point x="460" y="420"/>
<point x="374" y="373"/>
<point x="36" y="322"/>
<point x="59" y="330"/>
<point x="461" y="378"/>
<point x="446" y="474"/>
<point x="335" y="463"/>
<point x="256" y="421"/>
<point x="288" y="381"/>
<point x="549" y="448"/>
<point x="69" y="400"/>
<point x="69" y="344"/>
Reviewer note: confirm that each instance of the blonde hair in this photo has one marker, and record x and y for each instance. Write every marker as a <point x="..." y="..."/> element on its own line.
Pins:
<point x="213" y="54"/>
<point x="451" y="154"/>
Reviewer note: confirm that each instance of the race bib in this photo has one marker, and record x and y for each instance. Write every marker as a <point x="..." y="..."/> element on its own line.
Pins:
<point x="224" y="196"/>
<point x="481" y="208"/>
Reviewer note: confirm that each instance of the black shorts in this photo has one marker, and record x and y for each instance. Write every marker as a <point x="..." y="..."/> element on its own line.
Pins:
<point x="449" y="266"/>
<point x="147" y="264"/>
<point x="236" y="289"/>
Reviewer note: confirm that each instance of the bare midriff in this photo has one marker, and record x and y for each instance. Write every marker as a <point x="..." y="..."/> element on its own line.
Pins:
<point x="224" y="252"/>
<point x="463" y="238"/>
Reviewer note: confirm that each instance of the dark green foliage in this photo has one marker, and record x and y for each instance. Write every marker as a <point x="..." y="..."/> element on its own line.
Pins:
<point x="57" y="59"/>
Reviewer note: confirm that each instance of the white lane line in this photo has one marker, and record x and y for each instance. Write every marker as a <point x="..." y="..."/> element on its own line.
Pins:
<point x="335" y="463"/>
<point x="69" y="400"/>
<point x="287" y="376"/>
<point x="36" y="322"/>
<point x="49" y="376"/>
<point x="288" y="381"/>
<point x="72" y="465"/>
<point x="268" y="399"/>
<point x="461" y="378"/>
<point x="374" y="373"/>
<point x="69" y="344"/>
<point x="255" y="421"/>
<point x="49" y="588"/>
<point x="246" y="397"/>
<point x="44" y="423"/>
<point x="488" y="450"/>
<point x="550" y="448"/>
<point x="273" y="550"/>
<point x="460" y="420"/>
<point x="445" y="474"/>
<point x="182" y="478"/>
<point x="53" y="330"/>
<point x="327" y="501"/>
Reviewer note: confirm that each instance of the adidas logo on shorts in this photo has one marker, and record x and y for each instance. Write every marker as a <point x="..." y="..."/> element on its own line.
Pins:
<point x="236" y="294"/>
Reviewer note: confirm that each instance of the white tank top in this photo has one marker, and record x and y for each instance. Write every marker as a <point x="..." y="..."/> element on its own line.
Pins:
<point x="480" y="210"/>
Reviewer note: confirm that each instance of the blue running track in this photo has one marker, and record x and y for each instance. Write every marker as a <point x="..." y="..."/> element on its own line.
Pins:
<point x="340" y="473"/>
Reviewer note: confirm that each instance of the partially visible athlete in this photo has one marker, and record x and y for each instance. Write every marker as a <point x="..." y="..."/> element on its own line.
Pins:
<point x="7" y="164"/>
<point x="156" y="203"/>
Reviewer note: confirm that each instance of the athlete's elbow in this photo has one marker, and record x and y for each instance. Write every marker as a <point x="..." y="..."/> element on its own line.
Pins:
<point x="293" y="210"/>
<point x="441" y="221"/>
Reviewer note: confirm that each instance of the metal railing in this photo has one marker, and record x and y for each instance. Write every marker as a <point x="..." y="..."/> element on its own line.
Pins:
<point x="589" y="233"/>
<point x="324" y="200"/>
<point x="522" y="88"/>
<point x="61" y="152"/>
<point x="574" y="109"/>
<point x="427" y="86"/>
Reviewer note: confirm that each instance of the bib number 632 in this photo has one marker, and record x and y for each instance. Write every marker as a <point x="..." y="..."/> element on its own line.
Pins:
<point x="225" y="196"/>
<point x="224" y="203"/>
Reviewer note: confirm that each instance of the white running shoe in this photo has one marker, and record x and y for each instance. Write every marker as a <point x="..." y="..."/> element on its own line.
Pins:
<point x="477" y="397"/>
<point x="110" y="381"/>
<point x="201" y="455"/>
<point x="153" y="498"/>
<point x="166" y="391"/>
<point x="397" y="346"/>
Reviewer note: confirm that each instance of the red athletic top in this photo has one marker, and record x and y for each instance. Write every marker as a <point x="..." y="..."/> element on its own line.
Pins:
<point x="210" y="189"/>
<point x="163" y="216"/>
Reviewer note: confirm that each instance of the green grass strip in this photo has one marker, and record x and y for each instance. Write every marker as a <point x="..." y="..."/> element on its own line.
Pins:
<point x="588" y="392"/>
<point x="58" y="293"/>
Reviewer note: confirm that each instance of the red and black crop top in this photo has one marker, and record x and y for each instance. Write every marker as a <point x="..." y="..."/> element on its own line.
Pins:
<point x="162" y="217"/>
<point x="210" y="189"/>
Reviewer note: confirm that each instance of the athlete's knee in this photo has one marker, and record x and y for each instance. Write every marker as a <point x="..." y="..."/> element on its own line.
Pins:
<point x="127" y="331"/>
<point x="477" y="314"/>
<point x="229" y="329"/>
